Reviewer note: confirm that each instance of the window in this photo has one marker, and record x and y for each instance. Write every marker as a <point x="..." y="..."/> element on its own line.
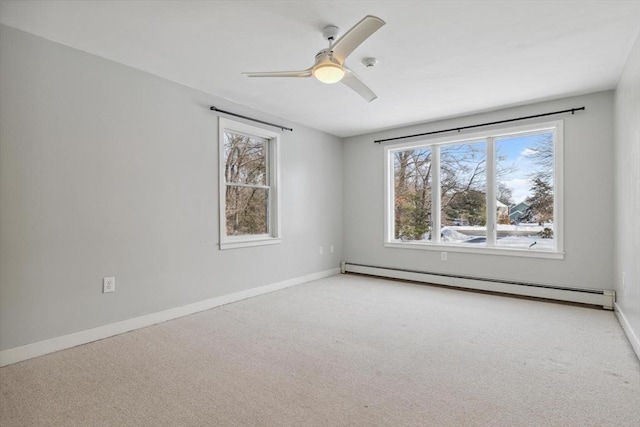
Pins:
<point x="495" y="192"/>
<point x="248" y="185"/>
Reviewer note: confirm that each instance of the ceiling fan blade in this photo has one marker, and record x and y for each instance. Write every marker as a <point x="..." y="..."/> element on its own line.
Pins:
<point x="352" y="80"/>
<point x="355" y="36"/>
<point x="302" y="73"/>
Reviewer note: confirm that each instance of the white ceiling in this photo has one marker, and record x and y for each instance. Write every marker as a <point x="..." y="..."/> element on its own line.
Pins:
<point x="437" y="58"/>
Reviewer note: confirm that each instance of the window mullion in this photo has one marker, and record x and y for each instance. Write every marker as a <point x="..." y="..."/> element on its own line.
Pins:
<point x="435" y="194"/>
<point x="491" y="192"/>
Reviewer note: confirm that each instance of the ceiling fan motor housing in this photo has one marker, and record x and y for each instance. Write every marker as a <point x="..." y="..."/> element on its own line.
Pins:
<point x="324" y="56"/>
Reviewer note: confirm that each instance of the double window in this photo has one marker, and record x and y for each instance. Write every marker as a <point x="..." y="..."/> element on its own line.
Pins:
<point x="494" y="192"/>
<point x="248" y="185"/>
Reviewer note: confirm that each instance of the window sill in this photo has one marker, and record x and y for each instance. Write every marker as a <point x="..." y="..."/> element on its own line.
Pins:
<point x="528" y="253"/>
<point x="245" y="243"/>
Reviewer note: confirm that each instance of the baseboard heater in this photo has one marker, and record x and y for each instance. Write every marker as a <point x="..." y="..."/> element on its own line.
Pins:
<point x="599" y="297"/>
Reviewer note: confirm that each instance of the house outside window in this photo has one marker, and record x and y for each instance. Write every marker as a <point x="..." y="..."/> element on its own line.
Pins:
<point x="249" y="175"/>
<point x="497" y="192"/>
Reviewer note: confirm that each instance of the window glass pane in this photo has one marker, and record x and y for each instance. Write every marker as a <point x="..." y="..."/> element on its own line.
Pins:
<point x="524" y="191"/>
<point x="412" y="190"/>
<point x="463" y="188"/>
<point x="246" y="210"/>
<point x="245" y="159"/>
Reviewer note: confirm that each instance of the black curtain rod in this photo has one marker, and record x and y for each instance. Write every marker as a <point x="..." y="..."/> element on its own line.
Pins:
<point x="250" y="118"/>
<point x="572" y="111"/>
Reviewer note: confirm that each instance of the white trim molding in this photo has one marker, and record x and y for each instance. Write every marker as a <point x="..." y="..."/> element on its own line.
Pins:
<point x="626" y="327"/>
<point x="29" y="351"/>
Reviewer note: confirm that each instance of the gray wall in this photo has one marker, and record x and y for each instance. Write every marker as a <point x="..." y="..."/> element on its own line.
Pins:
<point x="627" y="206"/>
<point x="588" y="204"/>
<point x="106" y="170"/>
<point x="109" y="171"/>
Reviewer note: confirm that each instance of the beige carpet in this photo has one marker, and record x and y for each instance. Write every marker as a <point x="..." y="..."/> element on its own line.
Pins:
<point x="347" y="350"/>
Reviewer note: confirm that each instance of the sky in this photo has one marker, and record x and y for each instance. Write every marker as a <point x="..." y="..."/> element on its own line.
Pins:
<point x="516" y="151"/>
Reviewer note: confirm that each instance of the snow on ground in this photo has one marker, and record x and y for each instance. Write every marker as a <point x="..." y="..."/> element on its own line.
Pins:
<point x="526" y="242"/>
<point x="521" y="236"/>
<point x="449" y="234"/>
<point x="522" y="227"/>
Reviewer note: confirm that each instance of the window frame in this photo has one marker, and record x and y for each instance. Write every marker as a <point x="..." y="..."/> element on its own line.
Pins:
<point x="272" y="139"/>
<point x="489" y="135"/>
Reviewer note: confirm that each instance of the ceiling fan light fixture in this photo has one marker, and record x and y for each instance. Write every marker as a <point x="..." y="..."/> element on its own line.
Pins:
<point x="329" y="64"/>
<point x="328" y="72"/>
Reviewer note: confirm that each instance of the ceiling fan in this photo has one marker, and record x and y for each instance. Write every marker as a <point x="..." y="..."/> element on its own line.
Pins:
<point x="329" y="64"/>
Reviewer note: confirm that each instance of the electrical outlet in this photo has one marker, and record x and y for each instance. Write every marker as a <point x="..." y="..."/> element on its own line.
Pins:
<point x="108" y="284"/>
<point x="331" y="249"/>
<point x="443" y="256"/>
<point x="321" y="250"/>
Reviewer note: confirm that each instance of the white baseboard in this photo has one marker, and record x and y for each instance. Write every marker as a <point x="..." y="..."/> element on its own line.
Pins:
<point x="633" y="338"/>
<point x="29" y="351"/>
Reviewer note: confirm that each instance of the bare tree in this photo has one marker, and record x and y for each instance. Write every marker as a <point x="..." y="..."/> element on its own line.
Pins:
<point x="462" y="176"/>
<point x="412" y="186"/>
<point x="542" y="156"/>
<point x="504" y="194"/>
<point x="541" y="200"/>
<point x="462" y="187"/>
<point x="245" y="168"/>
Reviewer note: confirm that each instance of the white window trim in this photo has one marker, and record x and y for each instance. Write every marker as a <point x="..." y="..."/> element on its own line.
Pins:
<point x="273" y="167"/>
<point x="489" y="135"/>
